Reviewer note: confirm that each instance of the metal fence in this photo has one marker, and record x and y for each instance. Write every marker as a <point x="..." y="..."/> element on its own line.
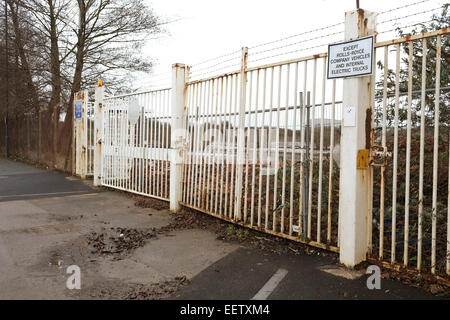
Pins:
<point x="261" y="149"/>
<point x="287" y="182"/>
<point x="135" y="152"/>
<point x="411" y="202"/>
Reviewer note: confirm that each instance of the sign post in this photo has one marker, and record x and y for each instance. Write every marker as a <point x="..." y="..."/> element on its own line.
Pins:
<point x="353" y="60"/>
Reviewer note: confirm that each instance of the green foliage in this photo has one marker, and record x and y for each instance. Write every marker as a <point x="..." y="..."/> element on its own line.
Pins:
<point x="438" y="22"/>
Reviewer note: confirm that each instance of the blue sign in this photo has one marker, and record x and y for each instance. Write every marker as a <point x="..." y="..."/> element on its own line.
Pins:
<point x="78" y="109"/>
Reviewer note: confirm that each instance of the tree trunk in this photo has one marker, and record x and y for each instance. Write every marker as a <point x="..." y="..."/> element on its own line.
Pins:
<point x="67" y="130"/>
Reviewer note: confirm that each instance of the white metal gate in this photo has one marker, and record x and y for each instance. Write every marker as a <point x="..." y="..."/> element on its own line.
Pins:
<point x="136" y="143"/>
<point x="287" y="181"/>
<point x="410" y="147"/>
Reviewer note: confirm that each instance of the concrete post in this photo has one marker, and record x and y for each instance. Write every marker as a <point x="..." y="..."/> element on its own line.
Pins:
<point x="354" y="183"/>
<point x="177" y="134"/>
<point x="80" y="136"/>
<point x="83" y="133"/>
<point x="98" y="132"/>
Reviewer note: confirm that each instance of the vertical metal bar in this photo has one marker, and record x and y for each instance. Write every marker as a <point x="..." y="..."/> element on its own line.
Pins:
<point x="191" y="125"/>
<point x="435" y="153"/>
<point x="160" y="141"/>
<point x="147" y="148"/>
<point x="189" y="153"/>
<point x="292" y="178"/>
<point x="283" y="183"/>
<point x="319" y="195"/>
<point x="168" y="142"/>
<point x="247" y="146"/>
<point x="141" y="151"/>
<point x="115" y="144"/>
<point x="371" y="169"/>
<point x="311" y="160"/>
<point x="255" y="152"/>
<point x="307" y="165"/>
<point x="383" y="143"/>
<point x="277" y="153"/>
<point x="331" y="165"/>
<point x="220" y="164"/>
<point x="269" y="147"/>
<point x="234" y="158"/>
<point x="394" y="175"/>
<point x="302" y="194"/>
<point x="224" y="129"/>
<point x="197" y="143"/>
<point x="152" y="144"/>
<point x="205" y="189"/>
<point x="208" y="176"/>
<point x="215" y="175"/>
<point x="201" y="143"/>
<point x="262" y="144"/>
<point x="408" y="155"/>
<point x="228" y="142"/>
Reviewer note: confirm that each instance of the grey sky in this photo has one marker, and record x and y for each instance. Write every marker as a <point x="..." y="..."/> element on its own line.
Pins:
<point x="210" y="28"/>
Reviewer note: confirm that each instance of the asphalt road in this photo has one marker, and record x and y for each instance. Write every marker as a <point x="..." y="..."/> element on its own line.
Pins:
<point x="242" y="274"/>
<point x="19" y="181"/>
<point x="43" y="211"/>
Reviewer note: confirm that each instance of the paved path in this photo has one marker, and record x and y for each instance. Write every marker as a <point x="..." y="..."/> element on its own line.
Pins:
<point x="19" y="181"/>
<point x="242" y="274"/>
<point x="45" y="217"/>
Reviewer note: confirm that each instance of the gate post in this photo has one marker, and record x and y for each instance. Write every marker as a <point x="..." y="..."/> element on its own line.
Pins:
<point x="355" y="183"/>
<point x="79" y="133"/>
<point x="177" y="134"/>
<point x="98" y="133"/>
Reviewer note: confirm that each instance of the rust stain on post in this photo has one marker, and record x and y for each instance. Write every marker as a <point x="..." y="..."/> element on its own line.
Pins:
<point x="368" y="127"/>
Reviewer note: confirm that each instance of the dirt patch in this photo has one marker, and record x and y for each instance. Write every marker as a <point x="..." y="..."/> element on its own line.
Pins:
<point x="157" y="291"/>
<point x="225" y="231"/>
<point x="142" y="201"/>
<point x="119" y="241"/>
<point x="145" y="202"/>
<point x="118" y="290"/>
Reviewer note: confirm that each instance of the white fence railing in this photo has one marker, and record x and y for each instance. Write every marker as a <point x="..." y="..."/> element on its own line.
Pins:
<point x="266" y="147"/>
<point x="136" y="143"/>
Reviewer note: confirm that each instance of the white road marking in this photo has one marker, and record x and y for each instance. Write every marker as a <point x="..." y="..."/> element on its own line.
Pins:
<point x="41" y="194"/>
<point x="270" y="285"/>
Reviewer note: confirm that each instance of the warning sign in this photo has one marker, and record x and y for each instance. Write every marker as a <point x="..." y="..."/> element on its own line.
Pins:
<point x="350" y="59"/>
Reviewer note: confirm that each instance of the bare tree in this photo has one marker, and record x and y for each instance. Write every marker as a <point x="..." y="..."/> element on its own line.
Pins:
<point x="62" y="46"/>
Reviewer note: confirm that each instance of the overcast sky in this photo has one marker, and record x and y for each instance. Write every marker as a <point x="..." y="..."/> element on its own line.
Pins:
<point x="210" y="28"/>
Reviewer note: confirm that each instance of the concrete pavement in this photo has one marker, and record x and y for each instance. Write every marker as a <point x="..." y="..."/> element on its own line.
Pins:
<point x="48" y="221"/>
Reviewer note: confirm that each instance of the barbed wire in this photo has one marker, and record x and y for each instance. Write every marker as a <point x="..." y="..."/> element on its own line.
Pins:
<point x="193" y="75"/>
<point x="406" y="26"/>
<point x="216" y="58"/>
<point x="292" y="44"/>
<point x="290" y="52"/>
<point x="212" y="63"/>
<point x="408" y="16"/>
<point x="404" y="6"/>
<point x="296" y="35"/>
<point x="215" y="65"/>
